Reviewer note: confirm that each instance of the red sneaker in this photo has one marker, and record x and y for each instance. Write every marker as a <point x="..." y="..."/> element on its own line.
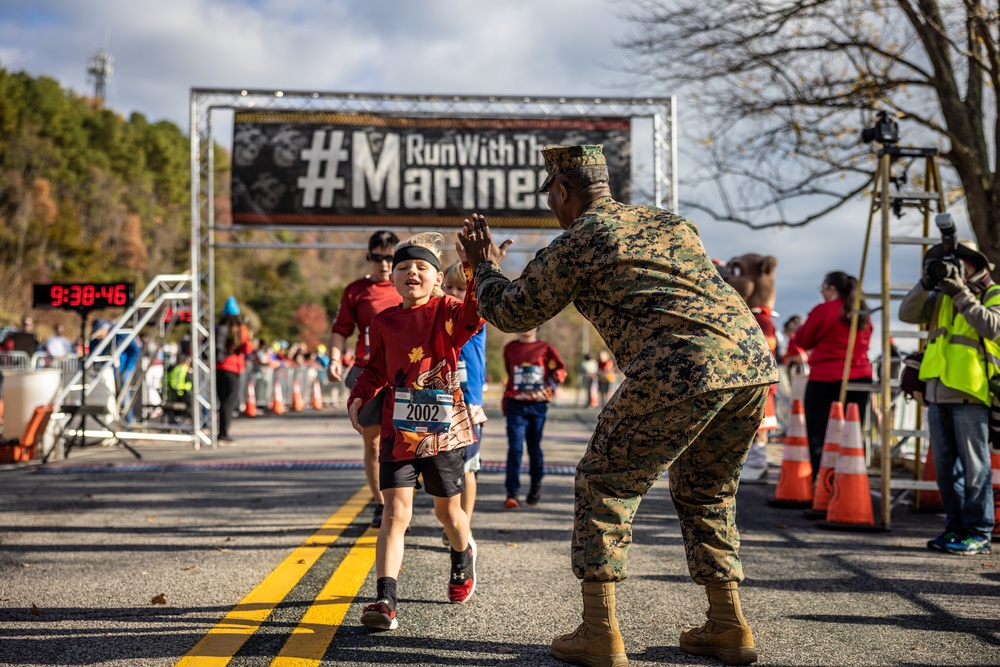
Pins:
<point x="380" y="616"/>
<point x="463" y="580"/>
<point x="511" y="503"/>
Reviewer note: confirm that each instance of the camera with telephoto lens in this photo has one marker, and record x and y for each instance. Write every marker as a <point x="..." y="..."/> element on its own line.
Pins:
<point x="947" y="265"/>
<point x="885" y="130"/>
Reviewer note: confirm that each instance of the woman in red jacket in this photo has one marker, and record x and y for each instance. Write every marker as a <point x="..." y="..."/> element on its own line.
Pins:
<point x="824" y="336"/>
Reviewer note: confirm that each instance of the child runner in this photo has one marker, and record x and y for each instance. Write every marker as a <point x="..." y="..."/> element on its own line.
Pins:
<point x="534" y="368"/>
<point x="425" y="425"/>
<point x="472" y="376"/>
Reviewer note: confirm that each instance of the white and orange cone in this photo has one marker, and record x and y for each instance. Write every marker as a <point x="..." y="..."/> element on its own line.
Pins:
<point x="828" y="462"/>
<point x="298" y="404"/>
<point x="250" y="409"/>
<point x="851" y="501"/>
<point x="795" y="480"/>
<point x="278" y="402"/>
<point x="317" y="397"/>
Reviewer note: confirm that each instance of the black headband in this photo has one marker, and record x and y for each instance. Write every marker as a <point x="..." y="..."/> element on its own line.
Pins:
<point x="416" y="252"/>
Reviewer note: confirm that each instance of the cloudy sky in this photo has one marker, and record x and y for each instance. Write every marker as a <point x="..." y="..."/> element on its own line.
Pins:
<point x="521" y="47"/>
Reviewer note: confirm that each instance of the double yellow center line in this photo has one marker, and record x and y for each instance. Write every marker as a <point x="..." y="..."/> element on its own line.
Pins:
<point x="309" y="641"/>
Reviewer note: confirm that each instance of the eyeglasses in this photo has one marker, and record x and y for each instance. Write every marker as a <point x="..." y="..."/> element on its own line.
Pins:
<point x="378" y="259"/>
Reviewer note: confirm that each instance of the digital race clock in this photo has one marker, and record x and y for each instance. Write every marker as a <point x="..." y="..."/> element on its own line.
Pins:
<point x="84" y="296"/>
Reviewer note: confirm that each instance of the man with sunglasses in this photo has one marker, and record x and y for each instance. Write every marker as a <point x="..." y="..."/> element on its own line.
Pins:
<point x="361" y="301"/>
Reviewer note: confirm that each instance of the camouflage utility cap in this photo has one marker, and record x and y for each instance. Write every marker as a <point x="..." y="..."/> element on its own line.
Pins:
<point x="562" y="159"/>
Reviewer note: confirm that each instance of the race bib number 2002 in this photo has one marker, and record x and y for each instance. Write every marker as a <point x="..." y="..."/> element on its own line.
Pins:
<point x="422" y="410"/>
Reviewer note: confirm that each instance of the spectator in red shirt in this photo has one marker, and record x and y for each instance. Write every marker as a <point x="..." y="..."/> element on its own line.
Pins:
<point x="360" y="302"/>
<point x="232" y="339"/>
<point x="534" y="369"/>
<point x="425" y="424"/>
<point x="824" y="336"/>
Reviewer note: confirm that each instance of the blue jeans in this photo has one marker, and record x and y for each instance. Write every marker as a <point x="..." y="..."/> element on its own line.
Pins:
<point x="525" y="421"/>
<point x="960" y="445"/>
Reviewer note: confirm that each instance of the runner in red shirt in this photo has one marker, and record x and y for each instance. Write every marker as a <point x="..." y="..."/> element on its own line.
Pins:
<point x="534" y="369"/>
<point x="361" y="301"/>
<point x="425" y="424"/>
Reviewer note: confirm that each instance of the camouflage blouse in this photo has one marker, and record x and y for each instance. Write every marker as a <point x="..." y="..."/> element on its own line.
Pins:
<point x="642" y="277"/>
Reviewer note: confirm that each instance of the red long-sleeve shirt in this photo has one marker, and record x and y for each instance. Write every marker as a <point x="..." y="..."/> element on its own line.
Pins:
<point x="824" y="334"/>
<point x="361" y="301"/>
<point x="533" y="370"/>
<point x="417" y="349"/>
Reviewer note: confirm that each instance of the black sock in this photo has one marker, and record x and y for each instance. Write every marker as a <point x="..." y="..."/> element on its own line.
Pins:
<point x="385" y="587"/>
<point x="462" y="559"/>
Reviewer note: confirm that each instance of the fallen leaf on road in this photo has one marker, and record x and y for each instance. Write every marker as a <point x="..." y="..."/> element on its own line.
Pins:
<point x="989" y="564"/>
<point x="27" y="564"/>
<point x="513" y="544"/>
<point x="503" y="531"/>
<point x="303" y="561"/>
<point x="223" y="550"/>
<point x="506" y="649"/>
<point x="159" y="599"/>
<point x="36" y="611"/>
<point x="189" y="567"/>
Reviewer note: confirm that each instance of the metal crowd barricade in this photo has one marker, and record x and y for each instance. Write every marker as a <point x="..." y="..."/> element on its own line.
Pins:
<point x="15" y="361"/>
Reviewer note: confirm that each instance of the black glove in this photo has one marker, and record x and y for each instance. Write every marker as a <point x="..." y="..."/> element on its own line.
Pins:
<point x="927" y="282"/>
<point x="951" y="285"/>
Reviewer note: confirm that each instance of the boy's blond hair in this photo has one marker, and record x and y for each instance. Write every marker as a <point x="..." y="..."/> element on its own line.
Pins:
<point x="433" y="241"/>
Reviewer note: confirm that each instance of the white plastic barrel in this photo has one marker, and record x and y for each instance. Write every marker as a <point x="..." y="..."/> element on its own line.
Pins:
<point x="23" y="391"/>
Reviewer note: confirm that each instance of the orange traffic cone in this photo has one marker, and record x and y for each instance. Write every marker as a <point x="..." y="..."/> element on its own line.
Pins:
<point x="995" y="465"/>
<point x="317" y="399"/>
<point x="593" y="394"/>
<point x="298" y="405"/>
<point x="929" y="501"/>
<point x="278" y="402"/>
<point x="851" y="501"/>
<point x="795" y="480"/>
<point x="828" y="462"/>
<point x="250" y="409"/>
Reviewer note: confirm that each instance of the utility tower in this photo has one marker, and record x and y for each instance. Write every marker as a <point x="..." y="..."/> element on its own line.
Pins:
<point x="99" y="68"/>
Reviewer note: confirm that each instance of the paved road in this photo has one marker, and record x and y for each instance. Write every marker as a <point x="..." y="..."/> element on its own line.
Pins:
<point x="262" y="556"/>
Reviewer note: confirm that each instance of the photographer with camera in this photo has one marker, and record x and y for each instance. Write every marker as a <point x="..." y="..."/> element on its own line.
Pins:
<point x="958" y="299"/>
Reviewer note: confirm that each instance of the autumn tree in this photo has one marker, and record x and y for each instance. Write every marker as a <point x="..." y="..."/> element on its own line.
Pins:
<point x="783" y="88"/>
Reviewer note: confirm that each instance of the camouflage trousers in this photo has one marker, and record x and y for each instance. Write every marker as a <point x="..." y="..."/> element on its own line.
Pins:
<point x="703" y="441"/>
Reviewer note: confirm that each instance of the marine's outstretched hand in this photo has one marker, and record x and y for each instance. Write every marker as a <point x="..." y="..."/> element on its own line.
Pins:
<point x="478" y="241"/>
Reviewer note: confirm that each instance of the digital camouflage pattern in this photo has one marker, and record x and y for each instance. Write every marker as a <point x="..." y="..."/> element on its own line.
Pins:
<point x="704" y="441"/>
<point x="560" y="159"/>
<point x="678" y="331"/>
<point x="643" y="279"/>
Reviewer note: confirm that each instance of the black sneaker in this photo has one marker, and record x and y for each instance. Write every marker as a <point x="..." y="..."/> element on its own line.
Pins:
<point x="534" y="495"/>
<point x="380" y="615"/>
<point x="462" y="583"/>
<point x="377" y="517"/>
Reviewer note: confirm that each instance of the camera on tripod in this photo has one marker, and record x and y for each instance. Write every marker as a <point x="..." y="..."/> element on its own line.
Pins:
<point x="885" y="130"/>
<point x="947" y="264"/>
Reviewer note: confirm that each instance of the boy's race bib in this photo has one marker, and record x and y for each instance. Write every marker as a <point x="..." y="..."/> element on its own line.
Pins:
<point x="529" y="378"/>
<point x="422" y="410"/>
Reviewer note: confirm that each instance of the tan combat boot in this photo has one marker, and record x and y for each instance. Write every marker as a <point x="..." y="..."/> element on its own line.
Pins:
<point x="597" y="642"/>
<point x="725" y="635"/>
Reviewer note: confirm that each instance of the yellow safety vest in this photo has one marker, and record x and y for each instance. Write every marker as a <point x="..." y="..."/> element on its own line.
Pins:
<point x="957" y="356"/>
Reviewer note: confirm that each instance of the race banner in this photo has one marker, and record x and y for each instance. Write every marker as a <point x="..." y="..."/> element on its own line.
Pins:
<point x="337" y="169"/>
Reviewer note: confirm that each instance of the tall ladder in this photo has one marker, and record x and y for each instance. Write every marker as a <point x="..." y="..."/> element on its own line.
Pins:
<point x="887" y="202"/>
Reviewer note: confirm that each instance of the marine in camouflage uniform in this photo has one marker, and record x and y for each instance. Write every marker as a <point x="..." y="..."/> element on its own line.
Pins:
<point x="696" y="364"/>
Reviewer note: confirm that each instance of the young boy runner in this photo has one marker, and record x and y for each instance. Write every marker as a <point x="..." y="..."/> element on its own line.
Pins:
<point x="472" y="376"/>
<point x="425" y="425"/>
<point x="534" y="368"/>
